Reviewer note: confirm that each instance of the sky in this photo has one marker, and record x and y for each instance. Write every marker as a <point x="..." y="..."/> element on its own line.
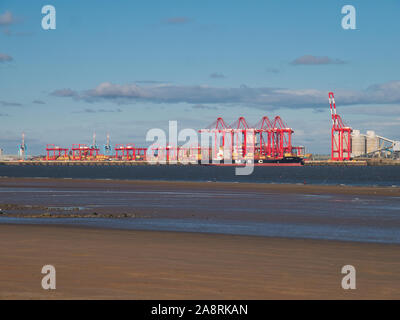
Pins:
<point x="124" y="67"/>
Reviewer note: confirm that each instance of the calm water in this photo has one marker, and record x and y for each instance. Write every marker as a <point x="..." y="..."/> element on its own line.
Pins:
<point x="380" y="176"/>
<point x="286" y="230"/>
<point x="365" y="218"/>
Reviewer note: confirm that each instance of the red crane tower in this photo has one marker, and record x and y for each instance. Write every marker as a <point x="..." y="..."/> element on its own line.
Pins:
<point x="340" y="135"/>
<point x="264" y="134"/>
<point x="220" y="130"/>
<point x="266" y="138"/>
<point x="282" y="138"/>
<point x="54" y="152"/>
<point x="128" y="152"/>
<point x="243" y="135"/>
<point x="83" y="152"/>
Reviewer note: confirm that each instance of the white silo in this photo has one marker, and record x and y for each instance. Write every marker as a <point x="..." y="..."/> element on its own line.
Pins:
<point x="358" y="143"/>
<point x="372" y="141"/>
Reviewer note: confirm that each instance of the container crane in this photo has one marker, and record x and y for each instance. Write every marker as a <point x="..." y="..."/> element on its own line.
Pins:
<point x="340" y="134"/>
<point x="22" y="148"/>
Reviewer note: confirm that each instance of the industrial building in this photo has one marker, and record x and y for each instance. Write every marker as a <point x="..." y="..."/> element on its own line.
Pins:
<point x="373" y="145"/>
<point x="347" y="143"/>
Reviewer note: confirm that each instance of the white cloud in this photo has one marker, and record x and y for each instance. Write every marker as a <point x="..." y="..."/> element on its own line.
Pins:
<point x="64" y="93"/>
<point x="6" y="19"/>
<point x="314" y="60"/>
<point x="5" y="57"/>
<point x="263" y="97"/>
<point x="37" y="101"/>
<point x="10" y="104"/>
<point x="217" y="75"/>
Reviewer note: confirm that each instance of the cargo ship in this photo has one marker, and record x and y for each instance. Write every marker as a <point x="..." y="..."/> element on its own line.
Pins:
<point x="292" y="161"/>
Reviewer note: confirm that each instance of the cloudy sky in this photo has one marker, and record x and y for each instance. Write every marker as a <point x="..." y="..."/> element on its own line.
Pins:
<point x="124" y="67"/>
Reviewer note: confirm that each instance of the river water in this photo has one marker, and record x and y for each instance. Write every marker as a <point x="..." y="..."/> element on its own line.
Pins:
<point x="331" y="175"/>
<point x="349" y="217"/>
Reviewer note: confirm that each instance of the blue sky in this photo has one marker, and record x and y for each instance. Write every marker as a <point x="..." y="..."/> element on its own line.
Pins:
<point x="124" y="67"/>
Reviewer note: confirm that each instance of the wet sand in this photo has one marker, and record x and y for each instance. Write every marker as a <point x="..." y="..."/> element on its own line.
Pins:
<point x="366" y="214"/>
<point x="184" y="185"/>
<point x="120" y="264"/>
<point x="27" y="197"/>
<point x="95" y="263"/>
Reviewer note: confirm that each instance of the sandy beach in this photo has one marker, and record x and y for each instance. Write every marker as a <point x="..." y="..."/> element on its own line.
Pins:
<point x="116" y="264"/>
<point x="206" y="151"/>
<point x="103" y="263"/>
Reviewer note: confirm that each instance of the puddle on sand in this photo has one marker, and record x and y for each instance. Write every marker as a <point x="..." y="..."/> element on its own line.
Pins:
<point x="67" y="208"/>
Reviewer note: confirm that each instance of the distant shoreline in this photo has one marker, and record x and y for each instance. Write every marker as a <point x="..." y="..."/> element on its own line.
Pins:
<point x="370" y="162"/>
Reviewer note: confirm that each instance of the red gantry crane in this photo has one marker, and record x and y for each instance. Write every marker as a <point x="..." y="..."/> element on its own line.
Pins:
<point x="282" y="138"/>
<point x="243" y="137"/>
<point x="220" y="130"/>
<point x="340" y="135"/>
<point x="264" y="133"/>
<point x="55" y="152"/>
<point x="128" y="152"/>
<point x="266" y="138"/>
